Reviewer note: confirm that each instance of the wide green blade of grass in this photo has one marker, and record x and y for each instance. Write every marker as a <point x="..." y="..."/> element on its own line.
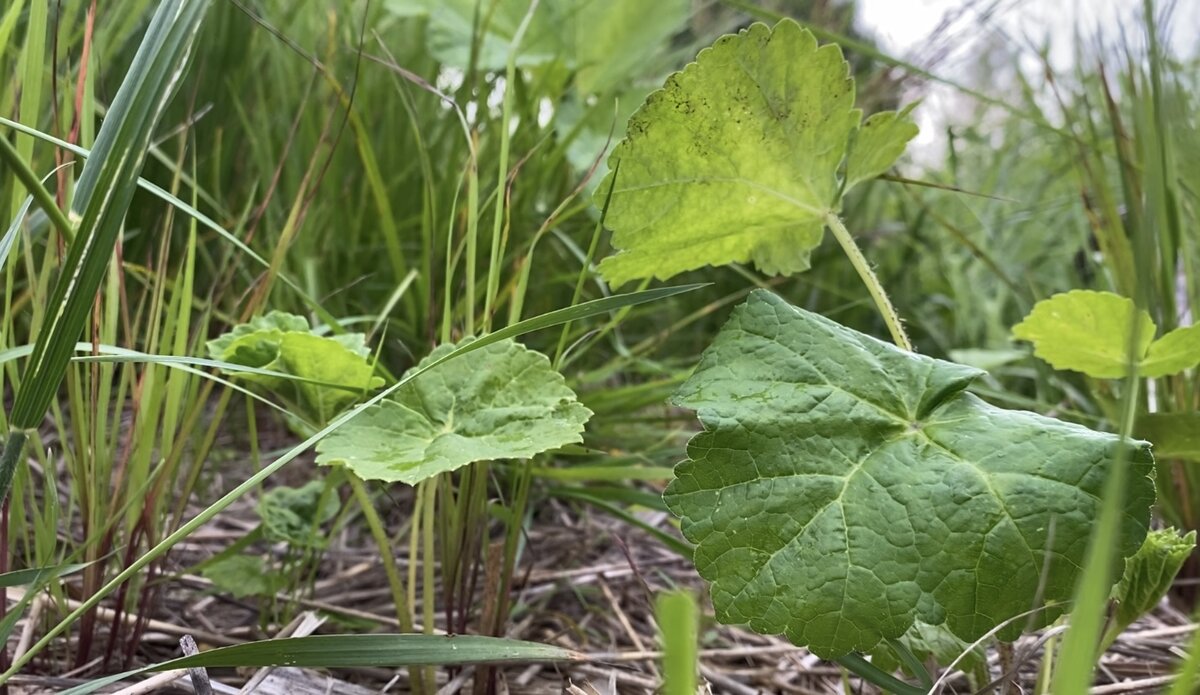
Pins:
<point x="103" y="194"/>
<point x="678" y="619"/>
<point x="356" y="651"/>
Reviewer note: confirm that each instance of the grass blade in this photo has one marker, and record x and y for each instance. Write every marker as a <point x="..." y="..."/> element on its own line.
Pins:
<point x="679" y="621"/>
<point x="356" y="651"/>
<point x="105" y="189"/>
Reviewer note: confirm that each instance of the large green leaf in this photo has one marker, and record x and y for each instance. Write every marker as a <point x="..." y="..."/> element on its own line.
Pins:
<point x="843" y="489"/>
<point x="739" y="157"/>
<point x="1087" y="331"/>
<point x="330" y="373"/>
<point x="505" y="403"/>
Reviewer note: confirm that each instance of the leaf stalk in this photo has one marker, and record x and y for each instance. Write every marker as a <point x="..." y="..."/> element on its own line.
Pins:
<point x="859" y="261"/>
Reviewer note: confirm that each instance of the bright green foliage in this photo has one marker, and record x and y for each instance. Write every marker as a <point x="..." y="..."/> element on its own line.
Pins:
<point x="294" y="515"/>
<point x="504" y="402"/>
<point x="1149" y="573"/>
<point x="242" y="576"/>
<point x="1087" y="331"/>
<point x="737" y="158"/>
<point x="878" y="144"/>
<point x="844" y="489"/>
<point x="930" y="642"/>
<point x="1174" y="435"/>
<point x="283" y="343"/>
<point x="603" y="41"/>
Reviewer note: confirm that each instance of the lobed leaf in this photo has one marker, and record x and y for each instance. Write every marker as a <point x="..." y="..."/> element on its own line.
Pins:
<point x="242" y="576"/>
<point x="844" y="489"/>
<point x="738" y="157"/>
<point x="878" y="144"/>
<point x="506" y="403"/>
<point x="1088" y="331"/>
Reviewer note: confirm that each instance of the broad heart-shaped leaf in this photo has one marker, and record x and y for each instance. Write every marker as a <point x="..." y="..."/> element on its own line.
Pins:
<point x="284" y="343"/>
<point x="506" y="402"/>
<point x="1088" y="331"/>
<point x="738" y="158"/>
<point x="843" y="489"/>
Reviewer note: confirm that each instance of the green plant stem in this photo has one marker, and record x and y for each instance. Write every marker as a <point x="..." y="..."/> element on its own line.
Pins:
<point x="379" y="534"/>
<point x="33" y="184"/>
<point x="872" y="674"/>
<point x="497" y="252"/>
<point x="395" y="581"/>
<point x="428" y="593"/>
<point x="472" y="240"/>
<point x="1046" y="670"/>
<point x="859" y="261"/>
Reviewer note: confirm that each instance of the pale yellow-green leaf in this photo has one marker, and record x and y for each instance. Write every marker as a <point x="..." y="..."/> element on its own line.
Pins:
<point x="738" y="158"/>
<point x="878" y="144"/>
<point x="284" y="344"/>
<point x="1086" y="331"/>
<point x="1172" y="353"/>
